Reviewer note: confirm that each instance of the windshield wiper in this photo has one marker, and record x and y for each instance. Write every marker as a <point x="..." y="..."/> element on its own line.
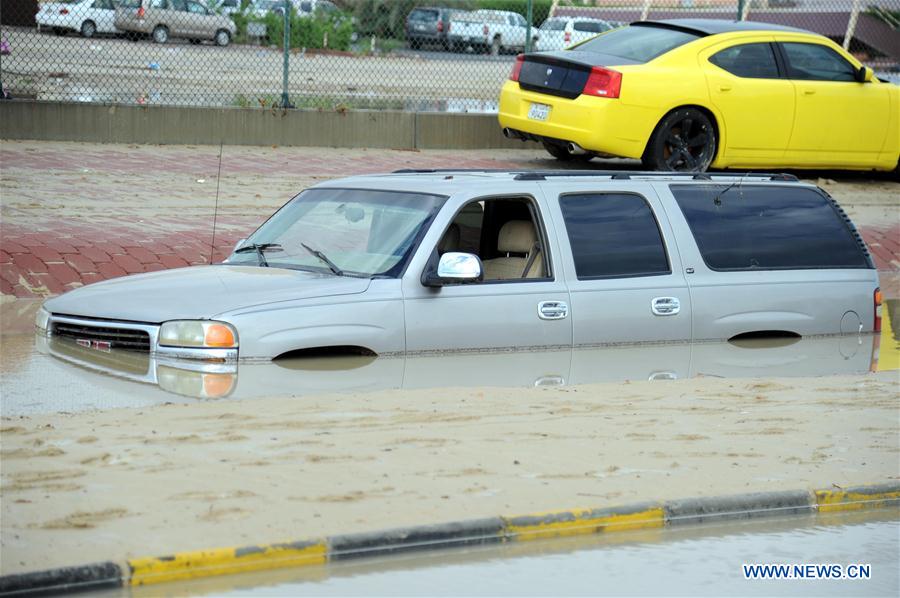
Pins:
<point x="331" y="265"/>
<point x="259" y="248"/>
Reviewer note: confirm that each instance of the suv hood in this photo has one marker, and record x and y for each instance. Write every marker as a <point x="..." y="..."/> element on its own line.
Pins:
<point x="199" y="292"/>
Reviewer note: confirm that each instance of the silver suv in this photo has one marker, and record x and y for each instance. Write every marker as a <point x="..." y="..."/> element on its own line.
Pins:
<point x="162" y="19"/>
<point x="423" y="261"/>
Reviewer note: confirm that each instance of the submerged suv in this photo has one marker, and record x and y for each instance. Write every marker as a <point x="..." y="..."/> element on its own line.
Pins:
<point x="424" y="261"/>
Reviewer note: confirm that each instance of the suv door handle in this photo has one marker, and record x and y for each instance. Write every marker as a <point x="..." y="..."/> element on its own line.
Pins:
<point x="552" y="310"/>
<point x="665" y="306"/>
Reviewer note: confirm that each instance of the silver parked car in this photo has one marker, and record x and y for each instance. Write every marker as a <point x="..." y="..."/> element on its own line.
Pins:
<point x="162" y="19"/>
<point x="470" y="260"/>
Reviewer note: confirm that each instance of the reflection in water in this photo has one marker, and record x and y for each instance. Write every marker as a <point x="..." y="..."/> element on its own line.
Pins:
<point x="119" y="370"/>
<point x="45" y="375"/>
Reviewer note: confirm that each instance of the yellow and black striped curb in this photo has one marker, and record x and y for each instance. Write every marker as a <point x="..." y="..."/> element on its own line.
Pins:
<point x="491" y="530"/>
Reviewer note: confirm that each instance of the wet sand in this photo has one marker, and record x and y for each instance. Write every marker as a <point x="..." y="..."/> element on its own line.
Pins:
<point x="123" y="483"/>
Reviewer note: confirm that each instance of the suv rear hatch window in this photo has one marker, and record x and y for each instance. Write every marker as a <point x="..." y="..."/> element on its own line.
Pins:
<point x="420" y="14"/>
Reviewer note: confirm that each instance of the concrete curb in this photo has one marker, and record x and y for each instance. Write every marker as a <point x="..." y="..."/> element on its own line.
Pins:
<point x="188" y="125"/>
<point x="225" y="561"/>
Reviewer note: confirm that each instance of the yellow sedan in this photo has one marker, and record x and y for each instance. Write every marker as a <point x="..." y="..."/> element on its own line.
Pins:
<point x="689" y="94"/>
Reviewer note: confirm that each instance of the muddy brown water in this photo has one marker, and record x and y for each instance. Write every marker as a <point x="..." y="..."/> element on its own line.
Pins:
<point x="44" y="375"/>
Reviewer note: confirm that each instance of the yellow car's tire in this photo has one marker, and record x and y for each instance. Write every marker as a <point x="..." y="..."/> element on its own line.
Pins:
<point x="684" y="140"/>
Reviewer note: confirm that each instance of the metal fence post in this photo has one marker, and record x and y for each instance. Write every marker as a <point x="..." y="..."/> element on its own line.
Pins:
<point x="851" y="25"/>
<point x="740" y="13"/>
<point x="529" y="15"/>
<point x="285" y="98"/>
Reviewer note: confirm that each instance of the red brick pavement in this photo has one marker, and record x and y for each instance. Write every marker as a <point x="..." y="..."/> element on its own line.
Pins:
<point x="44" y="263"/>
<point x="44" y="258"/>
<point x="204" y="160"/>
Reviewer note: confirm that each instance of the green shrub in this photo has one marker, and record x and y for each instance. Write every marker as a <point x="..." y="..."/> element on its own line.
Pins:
<point x="309" y="32"/>
<point x="384" y="18"/>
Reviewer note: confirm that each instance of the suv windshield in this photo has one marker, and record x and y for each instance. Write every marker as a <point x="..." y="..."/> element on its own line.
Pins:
<point x="640" y="43"/>
<point x="361" y="232"/>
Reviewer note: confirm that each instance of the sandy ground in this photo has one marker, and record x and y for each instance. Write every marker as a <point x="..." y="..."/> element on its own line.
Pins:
<point x="126" y="483"/>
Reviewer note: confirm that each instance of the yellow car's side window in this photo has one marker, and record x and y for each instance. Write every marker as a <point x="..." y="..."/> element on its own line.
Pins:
<point x="755" y="61"/>
<point x="816" y="62"/>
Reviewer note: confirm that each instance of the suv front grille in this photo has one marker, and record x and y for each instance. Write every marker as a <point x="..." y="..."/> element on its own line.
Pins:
<point x="117" y="338"/>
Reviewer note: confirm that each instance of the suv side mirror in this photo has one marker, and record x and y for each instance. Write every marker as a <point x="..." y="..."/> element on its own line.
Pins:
<point x="454" y="268"/>
<point x="864" y="74"/>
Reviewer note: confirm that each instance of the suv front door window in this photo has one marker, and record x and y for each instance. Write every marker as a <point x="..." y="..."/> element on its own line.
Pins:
<point x="505" y="307"/>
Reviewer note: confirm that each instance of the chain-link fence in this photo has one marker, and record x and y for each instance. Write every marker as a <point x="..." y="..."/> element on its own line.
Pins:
<point x="449" y="55"/>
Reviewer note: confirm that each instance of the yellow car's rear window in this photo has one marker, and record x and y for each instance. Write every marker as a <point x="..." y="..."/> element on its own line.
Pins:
<point x="638" y="43"/>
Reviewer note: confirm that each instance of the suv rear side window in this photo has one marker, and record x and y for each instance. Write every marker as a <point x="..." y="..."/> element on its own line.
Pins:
<point x="817" y="63"/>
<point x="754" y="61"/>
<point x="767" y="228"/>
<point x="613" y="235"/>
<point x="640" y="43"/>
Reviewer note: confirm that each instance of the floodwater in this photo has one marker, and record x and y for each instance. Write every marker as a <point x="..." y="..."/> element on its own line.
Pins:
<point x="681" y="561"/>
<point x="41" y="375"/>
<point x="46" y="375"/>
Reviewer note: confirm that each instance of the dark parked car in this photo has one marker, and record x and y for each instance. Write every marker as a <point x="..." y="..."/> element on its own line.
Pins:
<point x="427" y="25"/>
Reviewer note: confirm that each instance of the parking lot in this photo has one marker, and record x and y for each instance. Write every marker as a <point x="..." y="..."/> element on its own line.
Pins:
<point x="110" y="69"/>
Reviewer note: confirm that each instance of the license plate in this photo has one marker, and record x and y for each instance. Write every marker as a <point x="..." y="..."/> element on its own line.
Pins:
<point x="104" y="346"/>
<point x="420" y="27"/>
<point x="539" y="112"/>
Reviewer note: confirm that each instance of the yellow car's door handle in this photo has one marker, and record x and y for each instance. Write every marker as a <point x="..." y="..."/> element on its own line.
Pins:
<point x="725" y="88"/>
<point x="809" y="92"/>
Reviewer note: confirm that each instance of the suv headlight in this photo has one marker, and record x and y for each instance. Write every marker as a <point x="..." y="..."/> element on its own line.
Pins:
<point x="198" y="333"/>
<point x="41" y="319"/>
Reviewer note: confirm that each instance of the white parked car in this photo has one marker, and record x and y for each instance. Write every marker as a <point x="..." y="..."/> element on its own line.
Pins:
<point x="88" y="17"/>
<point x="496" y="31"/>
<point x="561" y="33"/>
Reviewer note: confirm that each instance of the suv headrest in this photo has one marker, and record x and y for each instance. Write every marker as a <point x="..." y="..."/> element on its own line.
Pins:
<point x="516" y="236"/>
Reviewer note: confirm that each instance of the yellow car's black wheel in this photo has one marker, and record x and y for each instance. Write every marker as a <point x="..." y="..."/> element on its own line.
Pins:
<point x="685" y="140"/>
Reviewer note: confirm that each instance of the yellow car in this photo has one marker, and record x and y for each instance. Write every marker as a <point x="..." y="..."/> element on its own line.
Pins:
<point x="688" y="94"/>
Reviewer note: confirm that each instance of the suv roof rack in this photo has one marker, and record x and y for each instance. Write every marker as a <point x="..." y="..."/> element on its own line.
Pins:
<point x="616" y="175"/>
<point x="449" y="170"/>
